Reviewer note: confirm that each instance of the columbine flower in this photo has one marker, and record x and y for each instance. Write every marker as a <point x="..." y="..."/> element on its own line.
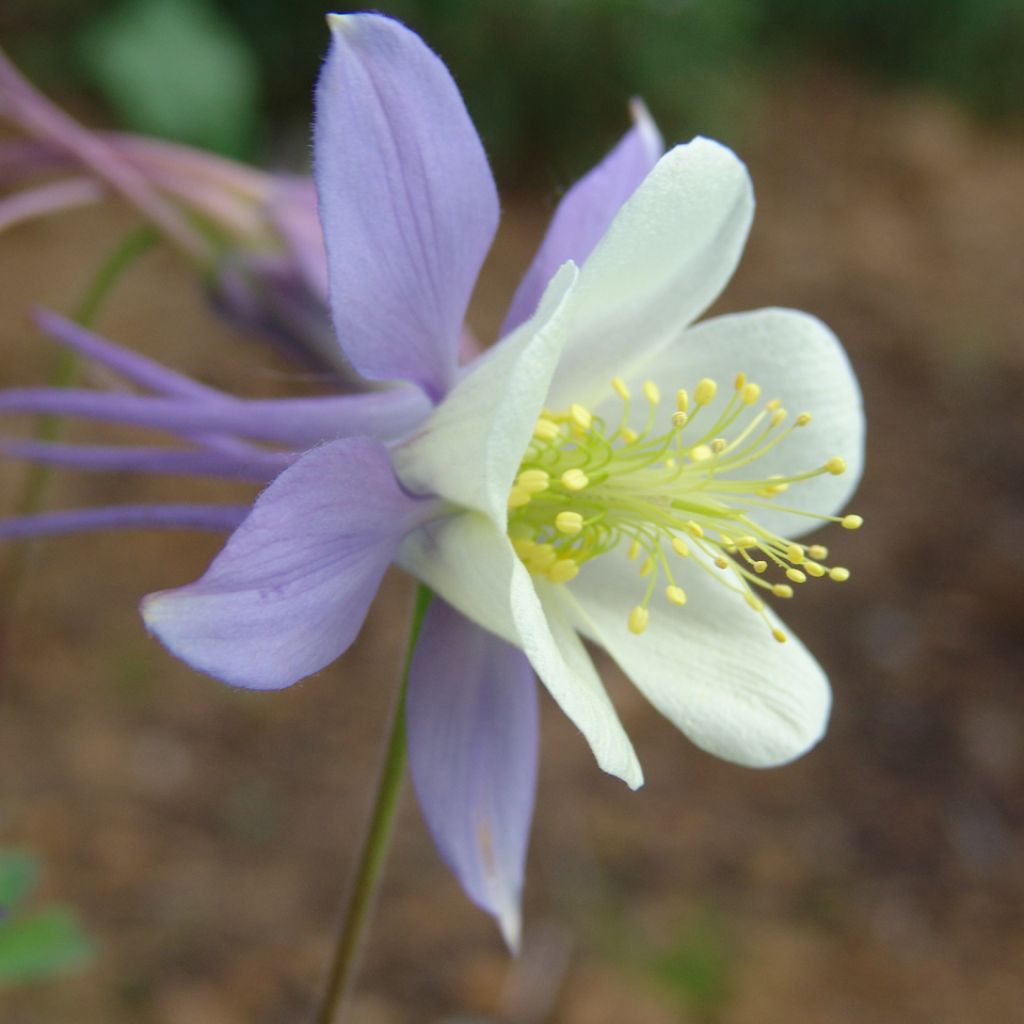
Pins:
<point x="608" y="471"/>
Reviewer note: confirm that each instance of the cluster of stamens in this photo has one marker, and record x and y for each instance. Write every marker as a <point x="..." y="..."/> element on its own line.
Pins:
<point x="585" y="486"/>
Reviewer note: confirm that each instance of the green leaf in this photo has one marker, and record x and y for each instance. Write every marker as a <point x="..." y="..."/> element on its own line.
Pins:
<point x="42" y="944"/>
<point x="19" y="873"/>
<point x="179" y="69"/>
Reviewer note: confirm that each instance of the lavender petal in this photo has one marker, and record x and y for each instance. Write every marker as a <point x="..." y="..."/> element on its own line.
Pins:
<point x="586" y="210"/>
<point x="473" y="738"/>
<point x="292" y="586"/>
<point x="406" y="198"/>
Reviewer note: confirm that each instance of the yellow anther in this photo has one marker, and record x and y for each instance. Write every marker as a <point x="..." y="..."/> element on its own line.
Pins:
<point x="721" y="563"/>
<point x="541" y="558"/>
<point x="518" y="497"/>
<point x="563" y="570"/>
<point x="651" y="392"/>
<point x="818" y="551"/>
<point x="705" y="391"/>
<point x="580" y="416"/>
<point x="719" y="445"/>
<point x="647" y="566"/>
<point x="620" y="388"/>
<point x="836" y="465"/>
<point x="741" y="379"/>
<point x="682" y="400"/>
<point x="782" y="590"/>
<point x="638" y="619"/>
<point x="746" y="542"/>
<point x="546" y="430"/>
<point x="679" y="547"/>
<point x="795" y="553"/>
<point x="759" y="567"/>
<point x="773" y="404"/>
<point x="778" y="416"/>
<point x="701" y="453"/>
<point x="533" y="481"/>
<point x="574" y="479"/>
<point x="796" y="576"/>
<point x="629" y="435"/>
<point x="568" y="522"/>
<point x="676" y="594"/>
<point x="755" y="602"/>
<point x="814" y="569"/>
<point x="522" y="547"/>
<point x="750" y="393"/>
<point x="779" y="635"/>
<point x="803" y="419"/>
<point x="670" y="463"/>
<point x="839" y="574"/>
<point x="634" y="550"/>
<point x="852" y="522"/>
<point x="679" y="420"/>
<point x="696" y="530"/>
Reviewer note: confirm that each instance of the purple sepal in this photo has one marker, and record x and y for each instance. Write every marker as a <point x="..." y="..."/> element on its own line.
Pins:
<point x="406" y="199"/>
<point x="473" y="739"/>
<point x="292" y="586"/>
<point x="586" y="210"/>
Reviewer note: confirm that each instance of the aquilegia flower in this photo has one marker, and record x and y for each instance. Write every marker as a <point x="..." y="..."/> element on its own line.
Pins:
<point x="608" y="471"/>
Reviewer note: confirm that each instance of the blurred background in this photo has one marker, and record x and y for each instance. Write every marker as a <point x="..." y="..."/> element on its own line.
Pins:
<point x="204" y="836"/>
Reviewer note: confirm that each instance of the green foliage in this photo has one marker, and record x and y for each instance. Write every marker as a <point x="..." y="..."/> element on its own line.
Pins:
<point x="179" y="69"/>
<point x="696" y="966"/>
<point x="34" y="944"/>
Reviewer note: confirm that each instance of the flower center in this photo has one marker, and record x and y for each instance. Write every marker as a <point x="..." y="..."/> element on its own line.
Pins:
<point x="586" y="486"/>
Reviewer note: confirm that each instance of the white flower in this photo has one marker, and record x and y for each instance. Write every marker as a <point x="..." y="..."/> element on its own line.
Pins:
<point x="593" y="387"/>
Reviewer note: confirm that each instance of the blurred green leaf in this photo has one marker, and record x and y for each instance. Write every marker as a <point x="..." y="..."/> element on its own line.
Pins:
<point x="179" y="69"/>
<point x="19" y="873"/>
<point x="48" y="942"/>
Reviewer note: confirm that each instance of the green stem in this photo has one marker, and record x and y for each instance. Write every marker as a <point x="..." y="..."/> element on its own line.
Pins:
<point x="375" y="843"/>
<point x="49" y="428"/>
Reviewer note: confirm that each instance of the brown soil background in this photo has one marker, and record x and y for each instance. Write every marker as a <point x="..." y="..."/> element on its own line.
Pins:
<point x="206" y="835"/>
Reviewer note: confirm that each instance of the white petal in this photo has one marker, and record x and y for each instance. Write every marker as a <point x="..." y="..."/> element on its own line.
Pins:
<point x="794" y="357"/>
<point x="664" y="259"/>
<point x="711" y="667"/>
<point x="468" y="561"/>
<point x="469" y="449"/>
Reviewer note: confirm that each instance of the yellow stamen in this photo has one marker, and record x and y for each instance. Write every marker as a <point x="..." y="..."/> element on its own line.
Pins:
<point x="563" y="570"/>
<point x="651" y="392"/>
<point x="574" y="479"/>
<point x="705" y="391"/>
<point x="569" y="522"/>
<point x="676" y="594"/>
<point x="620" y="388"/>
<point x="638" y="619"/>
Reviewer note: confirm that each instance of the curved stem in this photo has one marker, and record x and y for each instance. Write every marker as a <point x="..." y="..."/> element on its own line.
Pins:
<point x="376" y="842"/>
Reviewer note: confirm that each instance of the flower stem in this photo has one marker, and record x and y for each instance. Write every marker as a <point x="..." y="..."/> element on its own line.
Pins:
<point x="376" y="842"/>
